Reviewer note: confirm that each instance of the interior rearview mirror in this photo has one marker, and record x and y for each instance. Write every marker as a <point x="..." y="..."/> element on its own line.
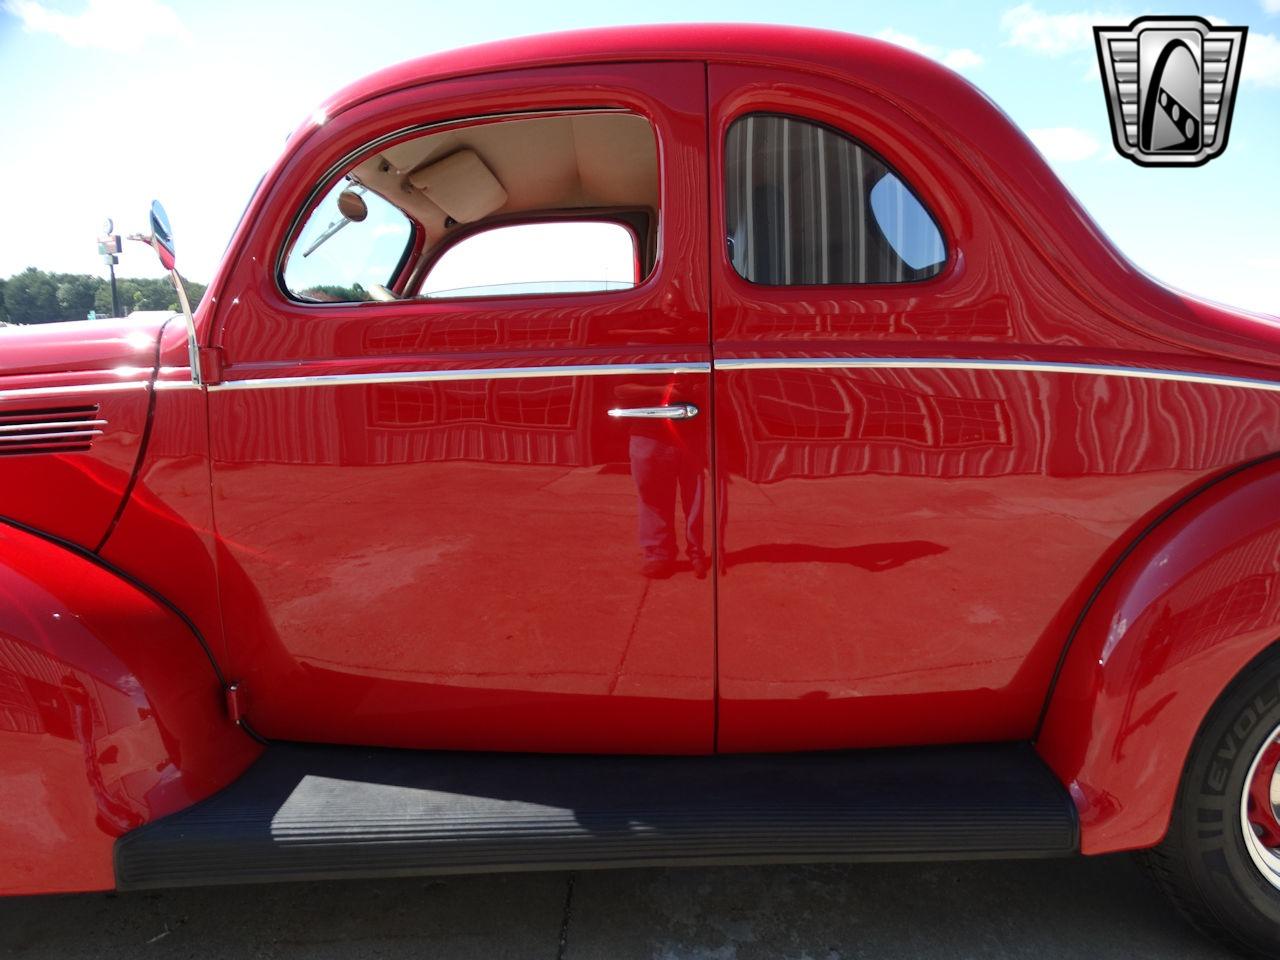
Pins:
<point x="352" y="206"/>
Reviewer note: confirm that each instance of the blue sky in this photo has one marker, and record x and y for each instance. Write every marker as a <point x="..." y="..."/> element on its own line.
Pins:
<point x="107" y="103"/>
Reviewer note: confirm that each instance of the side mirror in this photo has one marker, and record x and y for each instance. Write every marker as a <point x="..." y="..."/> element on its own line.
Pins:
<point x="162" y="235"/>
<point x="161" y="241"/>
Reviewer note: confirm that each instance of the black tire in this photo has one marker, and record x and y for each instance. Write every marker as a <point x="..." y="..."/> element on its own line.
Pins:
<point x="1203" y="865"/>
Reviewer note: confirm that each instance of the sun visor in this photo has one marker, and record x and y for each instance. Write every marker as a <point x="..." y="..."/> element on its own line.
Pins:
<point x="462" y="186"/>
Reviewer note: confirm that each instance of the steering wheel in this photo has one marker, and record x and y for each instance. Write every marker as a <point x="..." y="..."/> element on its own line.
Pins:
<point x="378" y="292"/>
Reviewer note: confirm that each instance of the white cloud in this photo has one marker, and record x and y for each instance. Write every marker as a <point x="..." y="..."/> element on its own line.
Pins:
<point x="1065" y="144"/>
<point x="123" y="26"/>
<point x="1058" y="34"/>
<point x="1054" y="34"/>
<point x="1261" y="66"/>
<point x="961" y="58"/>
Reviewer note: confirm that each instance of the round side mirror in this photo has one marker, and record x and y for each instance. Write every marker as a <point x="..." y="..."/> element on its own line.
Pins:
<point x="162" y="235"/>
<point x="352" y="206"/>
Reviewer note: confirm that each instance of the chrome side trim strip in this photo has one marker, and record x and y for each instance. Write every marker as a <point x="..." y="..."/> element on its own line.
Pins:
<point x="51" y="425"/>
<point x="19" y="440"/>
<point x="430" y="376"/>
<point x="24" y="392"/>
<point x="624" y="369"/>
<point x="1026" y="366"/>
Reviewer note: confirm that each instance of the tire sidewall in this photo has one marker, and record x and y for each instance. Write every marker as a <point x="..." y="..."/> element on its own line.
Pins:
<point x="1228" y="880"/>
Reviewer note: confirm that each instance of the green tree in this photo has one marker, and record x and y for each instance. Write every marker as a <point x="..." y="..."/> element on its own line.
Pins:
<point x="102" y="299"/>
<point x="76" y="294"/>
<point x="37" y="296"/>
<point x="195" y="293"/>
<point x="155" y="295"/>
<point x="32" y="297"/>
<point x="332" y="293"/>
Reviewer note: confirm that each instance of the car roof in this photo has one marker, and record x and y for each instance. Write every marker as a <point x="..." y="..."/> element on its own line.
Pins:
<point x="874" y="64"/>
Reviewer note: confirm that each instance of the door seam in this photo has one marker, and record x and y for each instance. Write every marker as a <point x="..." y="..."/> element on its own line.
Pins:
<point x="716" y="553"/>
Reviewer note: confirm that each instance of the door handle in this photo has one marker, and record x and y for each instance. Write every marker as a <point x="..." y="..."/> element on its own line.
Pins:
<point x="675" y="411"/>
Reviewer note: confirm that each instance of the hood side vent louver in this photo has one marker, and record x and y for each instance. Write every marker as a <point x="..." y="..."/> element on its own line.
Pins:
<point x="49" y="430"/>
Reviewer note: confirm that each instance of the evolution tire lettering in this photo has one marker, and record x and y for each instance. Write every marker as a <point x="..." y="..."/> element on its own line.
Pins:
<point x="1228" y="748"/>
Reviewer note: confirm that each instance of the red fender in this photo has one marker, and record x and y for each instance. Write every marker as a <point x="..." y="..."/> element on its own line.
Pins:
<point x="1181" y="615"/>
<point x="110" y="716"/>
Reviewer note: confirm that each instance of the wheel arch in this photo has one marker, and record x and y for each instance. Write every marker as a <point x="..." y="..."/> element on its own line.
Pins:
<point x="1185" y="608"/>
<point x="110" y="714"/>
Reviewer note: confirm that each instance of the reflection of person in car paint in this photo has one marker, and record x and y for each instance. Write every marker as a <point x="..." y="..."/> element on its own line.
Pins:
<point x="666" y="457"/>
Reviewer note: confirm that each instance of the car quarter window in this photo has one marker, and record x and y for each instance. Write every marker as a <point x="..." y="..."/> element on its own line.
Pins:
<point x="806" y="204"/>
<point x="560" y="203"/>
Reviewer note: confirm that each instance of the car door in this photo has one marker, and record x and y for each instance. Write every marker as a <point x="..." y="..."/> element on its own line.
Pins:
<point x="926" y="462"/>
<point x="433" y="531"/>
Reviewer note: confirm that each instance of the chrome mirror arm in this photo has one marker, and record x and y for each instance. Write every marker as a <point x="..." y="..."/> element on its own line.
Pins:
<point x="193" y="346"/>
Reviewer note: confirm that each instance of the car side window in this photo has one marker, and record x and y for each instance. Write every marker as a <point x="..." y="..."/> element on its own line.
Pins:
<point x="543" y="204"/>
<point x="571" y="256"/>
<point x="354" y="242"/>
<point x="808" y="205"/>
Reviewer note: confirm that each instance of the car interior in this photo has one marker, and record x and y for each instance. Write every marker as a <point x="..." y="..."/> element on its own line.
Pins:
<point x="435" y="191"/>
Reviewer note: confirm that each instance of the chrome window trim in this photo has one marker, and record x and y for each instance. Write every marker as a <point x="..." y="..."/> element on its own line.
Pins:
<point x="430" y="376"/>
<point x="1022" y="366"/>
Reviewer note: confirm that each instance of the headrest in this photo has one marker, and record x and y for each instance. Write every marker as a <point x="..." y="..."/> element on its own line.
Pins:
<point x="461" y="185"/>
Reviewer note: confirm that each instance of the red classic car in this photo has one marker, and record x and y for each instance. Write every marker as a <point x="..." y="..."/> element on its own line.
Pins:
<point x="664" y="445"/>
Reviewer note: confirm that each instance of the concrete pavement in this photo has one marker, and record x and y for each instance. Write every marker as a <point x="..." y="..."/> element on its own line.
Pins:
<point x="1097" y="908"/>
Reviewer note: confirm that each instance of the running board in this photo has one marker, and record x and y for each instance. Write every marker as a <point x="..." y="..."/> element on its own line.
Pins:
<point x="305" y="812"/>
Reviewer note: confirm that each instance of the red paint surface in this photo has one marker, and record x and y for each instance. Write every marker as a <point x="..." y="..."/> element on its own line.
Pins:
<point x="903" y="550"/>
<point x="901" y="553"/>
<point x="75" y="495"/>
<point x="110" y="716"/>
<point x="1188" y="609"/>
<point x="457" y="564"/>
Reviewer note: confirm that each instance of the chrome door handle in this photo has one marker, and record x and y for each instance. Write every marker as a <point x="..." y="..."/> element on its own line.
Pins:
<point x="676" y="411"/>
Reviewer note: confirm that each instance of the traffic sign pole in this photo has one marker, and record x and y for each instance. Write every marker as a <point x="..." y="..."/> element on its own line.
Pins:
<point x="109" y="247"/>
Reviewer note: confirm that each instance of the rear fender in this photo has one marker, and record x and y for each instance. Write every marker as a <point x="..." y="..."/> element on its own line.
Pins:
<point x="110" y="716"/>
<point x="1184" y="611"/>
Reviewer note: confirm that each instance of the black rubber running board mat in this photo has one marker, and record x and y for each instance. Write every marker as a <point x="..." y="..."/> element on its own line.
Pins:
<point x="305" y="812"/>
